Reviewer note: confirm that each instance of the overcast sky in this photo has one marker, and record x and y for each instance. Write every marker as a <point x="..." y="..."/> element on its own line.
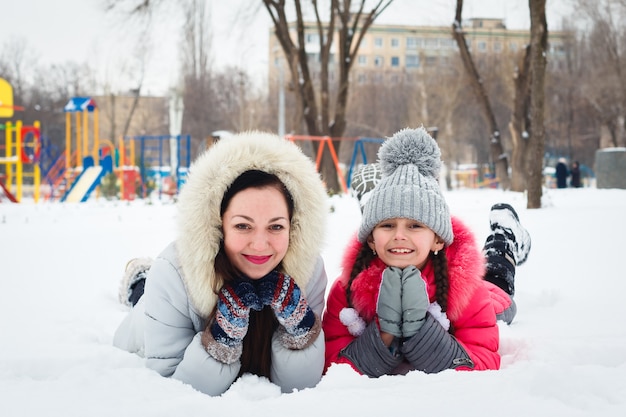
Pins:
<point x="57" y="31"/>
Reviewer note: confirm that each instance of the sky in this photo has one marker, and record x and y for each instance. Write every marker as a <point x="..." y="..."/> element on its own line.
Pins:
<point x="61" y="263"/>
<point x="80" y="31"/>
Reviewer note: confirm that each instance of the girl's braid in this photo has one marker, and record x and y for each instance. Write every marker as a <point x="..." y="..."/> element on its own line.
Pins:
<point x="440" y="267"/>
<point x="362" y="261"/>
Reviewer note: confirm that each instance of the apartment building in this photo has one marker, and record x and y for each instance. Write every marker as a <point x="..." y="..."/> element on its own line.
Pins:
<point x="389" y="53"/>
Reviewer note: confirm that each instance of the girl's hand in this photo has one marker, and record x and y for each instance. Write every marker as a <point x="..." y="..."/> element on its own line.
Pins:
<point x="414" y="301"/>
<point x="389" y="304"/>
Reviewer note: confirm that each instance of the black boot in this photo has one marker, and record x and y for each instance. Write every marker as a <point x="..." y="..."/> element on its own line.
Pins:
<point x="133" y="281"/>
<point x="500" y="263"/>
<point x="506" y="247"/>
<point x="504" y="220"/>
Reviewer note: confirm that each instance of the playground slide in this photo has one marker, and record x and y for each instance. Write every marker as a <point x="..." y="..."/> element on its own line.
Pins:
<point x="7" y="193"/>
<point x="83" y="186"/>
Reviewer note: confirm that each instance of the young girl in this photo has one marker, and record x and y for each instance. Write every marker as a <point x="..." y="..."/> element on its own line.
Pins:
<point x="412" y="293"/>
<point x="242" y="287"/>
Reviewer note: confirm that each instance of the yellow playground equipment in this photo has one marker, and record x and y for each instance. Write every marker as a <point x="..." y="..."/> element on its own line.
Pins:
<point x="19" y="151"/>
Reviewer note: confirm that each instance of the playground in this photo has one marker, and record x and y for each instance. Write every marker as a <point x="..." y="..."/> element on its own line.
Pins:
<point x="126" y="168"/>
<point x="88" y="166"/>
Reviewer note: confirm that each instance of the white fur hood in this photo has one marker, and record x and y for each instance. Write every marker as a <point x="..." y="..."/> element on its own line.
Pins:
<point x="200" y="225"/>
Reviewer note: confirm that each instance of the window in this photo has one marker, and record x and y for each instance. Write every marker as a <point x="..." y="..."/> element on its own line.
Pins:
<point x="431" y="43"/>
<point x="412" y="61"/>
<point x="413" y="43"/>
<point x="395" y="61"/>
<point x="481" y="46"/>
<point x="497" y="47"/>
<point x="313" y="57"/>
<point x="378" y="42"/>
<point x="362" y="60"/>
<point x="447" y="43"/>
<point x="395" y="42"/>
<point x="378" y="61"/>
<point x="513" y="47"/>
<point x="431" y="61"/>
<point x="312" y="38"/>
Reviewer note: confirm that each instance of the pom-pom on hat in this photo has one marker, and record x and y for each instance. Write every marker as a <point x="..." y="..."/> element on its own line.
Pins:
<point x="410" y="161"/>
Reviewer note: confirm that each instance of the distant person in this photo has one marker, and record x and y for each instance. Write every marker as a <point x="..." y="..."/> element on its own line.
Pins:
<point x="416" y="292"/>
<point x="575" y="173"/>
<point x="561" y="173"/>
<point x="241" y="290"/>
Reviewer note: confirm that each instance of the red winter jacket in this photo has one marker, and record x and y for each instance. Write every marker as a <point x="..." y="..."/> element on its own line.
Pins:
<point x="472" y="302"/>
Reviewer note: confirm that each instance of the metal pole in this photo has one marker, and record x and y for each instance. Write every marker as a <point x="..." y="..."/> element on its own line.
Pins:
<point x="281" y="100"/>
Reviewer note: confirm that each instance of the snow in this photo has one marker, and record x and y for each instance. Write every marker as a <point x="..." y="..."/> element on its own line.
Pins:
<point x="564" y="355"/>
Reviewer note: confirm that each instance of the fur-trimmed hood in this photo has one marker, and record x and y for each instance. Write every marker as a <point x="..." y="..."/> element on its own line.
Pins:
<point x="200" y="224"/>
<point x="466" y="268"/>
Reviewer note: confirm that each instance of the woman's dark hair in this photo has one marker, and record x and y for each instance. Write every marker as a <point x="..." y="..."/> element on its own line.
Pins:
<point x="256" y="179"/>
<point x="256" y="357"/>
<point x="440" y="268"/>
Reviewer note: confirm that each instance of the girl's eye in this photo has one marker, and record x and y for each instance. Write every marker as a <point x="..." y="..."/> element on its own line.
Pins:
<point x="385" y="225"/>
<point x="415" y="226"/>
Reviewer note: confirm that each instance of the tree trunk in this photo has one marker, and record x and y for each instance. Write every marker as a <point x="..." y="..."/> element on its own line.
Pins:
<point x="538" y="46"/>
<point x="498" y="157"/>
<point x="520" y="124"/>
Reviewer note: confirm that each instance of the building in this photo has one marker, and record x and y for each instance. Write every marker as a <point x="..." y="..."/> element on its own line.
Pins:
<point x="389" y="53"/>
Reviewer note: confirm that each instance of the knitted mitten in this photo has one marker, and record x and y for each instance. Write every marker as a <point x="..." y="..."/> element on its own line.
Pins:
<point x="389" y="303"/>
<point x="282" y="294"/>
<point x="223" y="338"/>
<point x="415" y="302"/>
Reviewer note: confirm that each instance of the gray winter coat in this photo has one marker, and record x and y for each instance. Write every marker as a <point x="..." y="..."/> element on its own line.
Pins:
<point x="167" y="323"/>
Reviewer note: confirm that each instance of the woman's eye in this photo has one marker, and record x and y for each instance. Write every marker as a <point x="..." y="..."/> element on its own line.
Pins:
<point x="277" y="227"/>
<point x="242" y="226"/>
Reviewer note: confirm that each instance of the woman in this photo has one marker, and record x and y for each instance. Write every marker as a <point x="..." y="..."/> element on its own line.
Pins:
<point x="241" y="289"/>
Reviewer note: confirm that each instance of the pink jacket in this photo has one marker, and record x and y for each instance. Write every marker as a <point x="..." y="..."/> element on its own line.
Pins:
<point x="472" y="302"/>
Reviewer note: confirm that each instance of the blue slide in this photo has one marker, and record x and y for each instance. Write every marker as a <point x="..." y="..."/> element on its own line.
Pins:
<point x="88" y="180"/>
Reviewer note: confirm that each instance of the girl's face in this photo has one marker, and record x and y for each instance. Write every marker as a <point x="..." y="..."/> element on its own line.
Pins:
<point x="402" y="242"/>
<point x="256" y="230"/>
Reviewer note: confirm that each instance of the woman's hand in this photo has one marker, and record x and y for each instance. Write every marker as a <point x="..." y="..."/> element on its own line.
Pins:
<point x="282" y="294"/>
<point x="224" y="336"/>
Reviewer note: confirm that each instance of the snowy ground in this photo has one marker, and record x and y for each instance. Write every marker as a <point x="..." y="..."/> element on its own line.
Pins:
<point x="60" y="264"/>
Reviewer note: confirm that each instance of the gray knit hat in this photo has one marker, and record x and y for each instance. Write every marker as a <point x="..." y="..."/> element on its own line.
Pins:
<point x="410" y="161"/>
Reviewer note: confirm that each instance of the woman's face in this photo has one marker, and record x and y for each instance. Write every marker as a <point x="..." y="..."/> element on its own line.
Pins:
<point x="402" y="242"/>
<point x="256" y="230"/>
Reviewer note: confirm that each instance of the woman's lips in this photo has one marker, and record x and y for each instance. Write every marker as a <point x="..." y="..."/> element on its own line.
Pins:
<point x="258" y="259"/>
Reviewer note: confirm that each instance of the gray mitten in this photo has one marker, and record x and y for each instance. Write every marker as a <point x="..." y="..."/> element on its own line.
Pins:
<point x="389" y="304"/>
<point x="414" y="301"/>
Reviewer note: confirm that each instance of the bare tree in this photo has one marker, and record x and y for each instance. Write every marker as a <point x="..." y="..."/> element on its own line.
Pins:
<point x="520" y="122"/>
<point x="320" y="114"/>
<point x="498" y="157"/>
<point x="538" y="50"/>
<point x="16" y="65"/>
<point x="606" y="86"/>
